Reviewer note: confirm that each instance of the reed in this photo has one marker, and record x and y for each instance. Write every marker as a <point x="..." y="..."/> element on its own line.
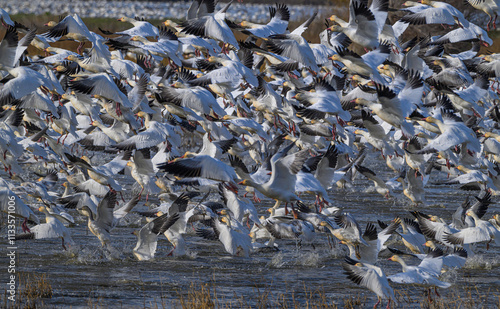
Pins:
<point x="31" y="290"/>
<point x="200" y="295"/>
<point x="205" y="295"/>
<point x="35" y="286"/>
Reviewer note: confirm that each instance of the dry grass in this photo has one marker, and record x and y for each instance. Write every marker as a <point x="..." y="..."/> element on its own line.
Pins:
<point x="31" y="290"/>
<point x="468" y="297"/>
<point x="33" y="286"/>
<point x="200" y="295"/>
<point x="205" y="295"/>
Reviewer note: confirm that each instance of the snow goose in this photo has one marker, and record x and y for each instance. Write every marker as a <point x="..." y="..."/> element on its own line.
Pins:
<point x="415" y="161"/>
<point x="380" y="144"/>
<point x="147" y="236"/>
<point x="66" y="123"/>
<point x="49" y="179"/>
<point x="466" y="33"/>
<point x="467" y="30"/>
<point x="260" y="175"/>
<point x="102" y="176"/>
<point x="205" y="164"/>
<point x="142" y="171"/>
<point x="200" y="166"/>
<point x="200" y="8"/>
<point x="52" y="228"/>
<point x="483" y="231"/>
<point x="376" y="134"/>
<point x="25" y="81"/>
<point x="294" y="46"/>
<point x="321" y="100"/>
<point x="371" y="277"/>
<point x="92" y="64"/>
<point x="155" y="133"/>
<point x="82" y="104"/>
<point x="415" y="189"/>
<point x="280" y="15"/>
<point x="281" y="226"/>
<point x="466" y="100"/>
<point x="455" y="259"/>
<point x="73" y="28"/>
<point x="425" y="273"/>
<point x="11" y="49"/>
<point x="60" y="213"/>
<point x="212" y="26"/>
<point x="5" y="18"/>
<point x="434" y="228"/>
<point x="453" y="133"/>
<point x="412" y="236"/>
<point x="38" y="101"/>
<point x="9" y="142"/>
<point x="375" y="241"/>
<point x="141" y="27"/>
<point x="281" y="185"/>
<point x="56" y="56"/>
<point x="198" y="99"/>
<point x="118" y="132"/>
<point x="451" y="72"/>
<point x="266" y="100"/>
<point x="245" y="126"/>
<point x="166" y="47"/>
<point x="365" y="24"/>
<point x="36" y="190"/>
<point x="446" y="6"/>
<point x="124" y="210"/>
<point x="21" y="209"/>
<point x="118" y="112"/>
<point x="125" y="68"/>
<point x="379" y="185"/>
<point x="100" y="223"/>
<point x="78" y="200"/>
<point x="175" y="233"/>
<point x="235" y="242"/>
<point x="228" y="72"/>
<point x="240" y="208"/>
<point x="460" y="220"/>
<point x="305" y="213"/>
<point x="390" y="108"/>
<point x="495" y="221"/>
<point x="325" y="169"/>
<point x="365" y="65"/>
<point x="100" y="84"/>
<point x="349" y="231"/>
<point x="426" y="14"/>
<point x="178" y="204"/>
<point x="307" y="182"/>
<point x="472" y="177"/>
<point x="490" y="7"/>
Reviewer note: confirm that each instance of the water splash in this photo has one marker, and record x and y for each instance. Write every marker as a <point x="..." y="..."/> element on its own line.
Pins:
<point x="480" y="261"/>
<point x="310" y="259"/>
<point x="276" y="261"/>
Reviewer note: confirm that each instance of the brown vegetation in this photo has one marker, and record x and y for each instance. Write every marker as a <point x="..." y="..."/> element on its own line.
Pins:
<point x="31" y="290"/>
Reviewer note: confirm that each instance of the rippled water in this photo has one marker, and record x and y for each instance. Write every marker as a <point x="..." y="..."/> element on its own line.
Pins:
<point x="90" y="277"/>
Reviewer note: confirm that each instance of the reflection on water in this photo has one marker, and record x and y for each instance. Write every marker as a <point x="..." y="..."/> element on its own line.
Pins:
<point x="87" y="276"/>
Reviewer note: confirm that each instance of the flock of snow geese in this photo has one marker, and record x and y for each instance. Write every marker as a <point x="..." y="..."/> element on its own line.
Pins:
<point x="188" y="105"/>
